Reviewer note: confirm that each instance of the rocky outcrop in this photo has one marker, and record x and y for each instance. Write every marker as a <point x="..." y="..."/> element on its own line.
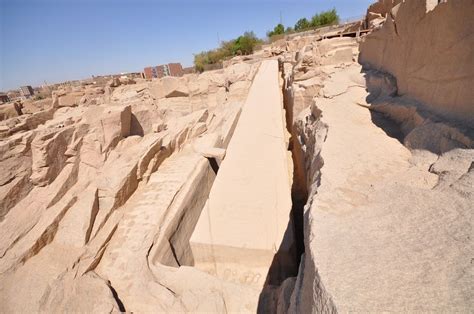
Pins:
<point x="75" y="293"/>
<point x="349" y="236"/>
<point x="378" y="12"/>
<point x="76" y="174"/>
<point x="428" y="49"/>
<point x="299" y="184"/>
<point x="48" y="156"/>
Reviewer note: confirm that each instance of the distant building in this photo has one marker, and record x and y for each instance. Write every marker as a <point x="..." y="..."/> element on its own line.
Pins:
<point x="147" y="72"/>
<point x="26" y="91"/>
<point x="14" y="94"/>
<point x="163" y="70"/>
<point x="175" y="69"/>
<point x="111" y="76"/>
<point x="170" y="69"/>
<point x="4" y="98"/>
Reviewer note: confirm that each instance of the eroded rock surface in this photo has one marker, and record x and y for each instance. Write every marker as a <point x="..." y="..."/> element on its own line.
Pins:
<point x="400" y="47"/>
<point x="92" y="163"/>
<point x="293" y="180"/>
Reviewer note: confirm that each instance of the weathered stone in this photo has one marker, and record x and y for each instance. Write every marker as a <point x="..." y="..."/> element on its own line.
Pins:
<point x="70" y="100"/>
<point x="211" y="234"/>
<point x="363" y="189"/>
<point x="76" y="226"/>
<point x="88" y="292"/>
<point x="48" y="155"/>
<point x="427" y="74"/>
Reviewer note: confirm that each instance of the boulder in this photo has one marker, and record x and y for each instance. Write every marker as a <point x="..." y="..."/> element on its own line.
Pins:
<point x="377" y="12"/>
<point x="144" y="116"/>
<point x="174" y="87"/>
<point x="169" y="87"/>
<point x="48" y="157"/>
<point x="114" y="123"/>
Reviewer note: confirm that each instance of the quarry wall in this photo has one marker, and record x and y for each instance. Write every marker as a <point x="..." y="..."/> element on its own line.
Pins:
<point x="429" y="49"/>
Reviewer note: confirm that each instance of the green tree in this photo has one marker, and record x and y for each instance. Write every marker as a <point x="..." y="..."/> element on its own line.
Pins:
<point x="328" y="17"/>
<point x="324" y="18"/>
<point x="200" y="60"/>
<point x="302" y="24"/>
<point x="315" y="21"/>
<point x="277" y="30"/>
<point x="244" y="44"/>
<point x="227" y="48"/>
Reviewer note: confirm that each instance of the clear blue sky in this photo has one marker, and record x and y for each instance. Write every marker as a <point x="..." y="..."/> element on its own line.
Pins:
<point x="58" y="40"/>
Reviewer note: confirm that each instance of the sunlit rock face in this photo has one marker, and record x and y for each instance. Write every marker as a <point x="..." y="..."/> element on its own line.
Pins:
<point x="427" y="47"/>
<point x="292" y="180"/>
